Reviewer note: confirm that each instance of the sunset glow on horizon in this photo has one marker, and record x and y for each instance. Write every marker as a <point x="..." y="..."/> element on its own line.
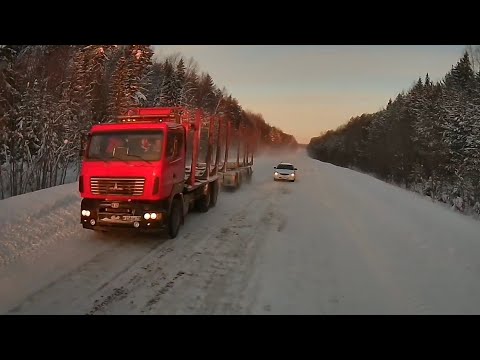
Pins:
<point x="306" y="90"/>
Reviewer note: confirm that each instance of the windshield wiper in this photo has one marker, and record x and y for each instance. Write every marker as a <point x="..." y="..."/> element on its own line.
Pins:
<point x="138" y="156"/>
<point x="105" y="159"/>
<point x="117" y="158"/>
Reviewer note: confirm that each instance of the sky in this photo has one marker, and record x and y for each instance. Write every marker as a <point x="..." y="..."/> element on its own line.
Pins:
<point x="308" y="89"/>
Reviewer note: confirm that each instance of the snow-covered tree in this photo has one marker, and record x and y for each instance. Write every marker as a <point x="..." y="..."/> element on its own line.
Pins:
<point x="428" y="136"/>
<point x="50" y="95"/>
<point x="130" y="79"/>
<point x="206" y="93"/>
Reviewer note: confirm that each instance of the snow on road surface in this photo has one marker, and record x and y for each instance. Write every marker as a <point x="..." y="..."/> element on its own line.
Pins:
<point x="333" y="242"/>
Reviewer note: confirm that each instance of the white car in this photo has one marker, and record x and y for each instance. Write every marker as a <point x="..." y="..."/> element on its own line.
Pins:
<point x="285" y="171"/>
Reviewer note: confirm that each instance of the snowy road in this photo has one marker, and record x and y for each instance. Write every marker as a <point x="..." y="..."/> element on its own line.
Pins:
<point x="334" y="242"/>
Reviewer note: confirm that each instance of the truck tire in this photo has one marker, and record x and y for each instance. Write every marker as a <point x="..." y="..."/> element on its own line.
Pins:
<point x="175" y="219"/>
<point x="214" y="188"/>
<point x="203" y="204"/>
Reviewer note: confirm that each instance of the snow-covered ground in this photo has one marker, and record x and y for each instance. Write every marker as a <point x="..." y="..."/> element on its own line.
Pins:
<point x="333" y="242"/>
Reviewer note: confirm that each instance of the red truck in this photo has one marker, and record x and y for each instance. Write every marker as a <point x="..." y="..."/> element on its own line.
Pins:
<point x="135" y="174"/>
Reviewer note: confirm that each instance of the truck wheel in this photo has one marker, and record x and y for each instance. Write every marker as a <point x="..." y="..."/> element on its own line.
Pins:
<point x="215" y="188"/>
<point x="174" y="219"/>
<point x="203" y="204"/>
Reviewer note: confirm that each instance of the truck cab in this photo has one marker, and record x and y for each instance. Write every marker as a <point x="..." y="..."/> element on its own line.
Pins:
<point x="134" y="173"/>
<point x="131" y="171"/>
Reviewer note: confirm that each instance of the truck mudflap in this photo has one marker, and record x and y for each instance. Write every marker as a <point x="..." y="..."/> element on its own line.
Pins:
<point x="140" y="215"/>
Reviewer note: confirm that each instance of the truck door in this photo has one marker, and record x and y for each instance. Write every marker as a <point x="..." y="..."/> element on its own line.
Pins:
<point x="176" y="160"/>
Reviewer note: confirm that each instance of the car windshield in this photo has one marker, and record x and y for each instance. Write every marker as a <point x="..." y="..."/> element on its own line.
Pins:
<point x="285" y="167"/>
<point x="126" y="146"/>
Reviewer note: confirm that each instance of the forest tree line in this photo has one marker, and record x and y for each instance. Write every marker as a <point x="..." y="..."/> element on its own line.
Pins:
<point x="427" y="139"/>
<point x="50" y="95"/>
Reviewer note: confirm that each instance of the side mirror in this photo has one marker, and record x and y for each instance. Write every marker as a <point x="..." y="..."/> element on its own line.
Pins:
<point x="296" y="169"/>
<point x="274" y="167"/>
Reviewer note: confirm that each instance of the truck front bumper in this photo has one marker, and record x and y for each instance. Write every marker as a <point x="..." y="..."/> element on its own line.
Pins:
<point x="105" y="215"/>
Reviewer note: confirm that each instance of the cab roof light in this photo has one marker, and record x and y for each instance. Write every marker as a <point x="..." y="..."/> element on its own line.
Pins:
<point x="150" y="119"/>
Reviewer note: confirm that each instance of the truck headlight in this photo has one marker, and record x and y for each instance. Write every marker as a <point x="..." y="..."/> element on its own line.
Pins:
<point x="146" y="216"/>
<point x="86" y="212"/>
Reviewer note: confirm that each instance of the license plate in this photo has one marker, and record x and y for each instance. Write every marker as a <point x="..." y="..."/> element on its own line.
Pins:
<point x="131" y="218"/>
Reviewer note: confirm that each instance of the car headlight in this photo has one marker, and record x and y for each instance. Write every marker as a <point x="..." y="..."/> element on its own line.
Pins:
<point x="276" y="173"/>
<point x="292" y="174"/>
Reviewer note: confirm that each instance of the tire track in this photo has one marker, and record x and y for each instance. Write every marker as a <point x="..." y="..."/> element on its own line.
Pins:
<point x="197" y="271"/>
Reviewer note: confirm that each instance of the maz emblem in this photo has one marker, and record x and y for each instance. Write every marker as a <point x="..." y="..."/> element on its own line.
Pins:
<point x="116" y="187"/>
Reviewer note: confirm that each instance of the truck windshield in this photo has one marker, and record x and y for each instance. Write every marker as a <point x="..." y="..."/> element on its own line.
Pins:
<point x="126" y="146"/>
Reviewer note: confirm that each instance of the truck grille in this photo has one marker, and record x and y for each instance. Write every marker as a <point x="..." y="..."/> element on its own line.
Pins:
<point x="117" y="186"/>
